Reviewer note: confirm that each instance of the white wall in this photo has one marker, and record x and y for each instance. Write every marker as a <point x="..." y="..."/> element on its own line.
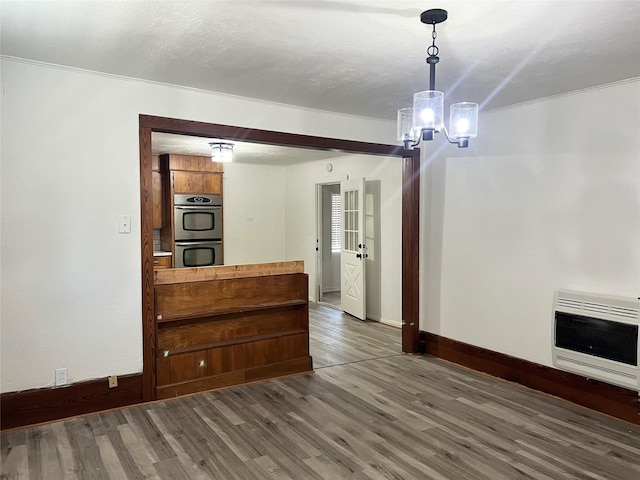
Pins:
<point x="70" y="284"/>
<point x="547" y="197"/>
<point x="253" y="213"/>
<point x="551" y="201"/>
<point x="300" y="227"/>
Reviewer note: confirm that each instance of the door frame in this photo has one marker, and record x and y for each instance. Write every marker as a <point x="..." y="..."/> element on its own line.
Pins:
<point x="411" y="250"/>
<point x="410" y="216"/>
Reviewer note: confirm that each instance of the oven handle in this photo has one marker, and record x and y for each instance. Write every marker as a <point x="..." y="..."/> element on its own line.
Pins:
<point x="204" y="242"/>
<point x="198" y="207"/>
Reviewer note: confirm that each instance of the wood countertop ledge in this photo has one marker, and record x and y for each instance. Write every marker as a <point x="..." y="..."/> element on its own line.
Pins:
<point x="203" y="274"/>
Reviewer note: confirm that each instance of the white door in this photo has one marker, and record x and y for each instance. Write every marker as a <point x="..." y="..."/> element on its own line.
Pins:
<point x="352" y="257"/>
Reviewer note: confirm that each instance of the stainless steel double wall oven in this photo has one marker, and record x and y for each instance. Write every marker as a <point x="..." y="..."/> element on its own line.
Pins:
<point x="197" y="230"/>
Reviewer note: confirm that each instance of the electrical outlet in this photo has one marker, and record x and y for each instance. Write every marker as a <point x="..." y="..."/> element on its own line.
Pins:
<point x="61" y="376"/>
<point x="113" y="381"/>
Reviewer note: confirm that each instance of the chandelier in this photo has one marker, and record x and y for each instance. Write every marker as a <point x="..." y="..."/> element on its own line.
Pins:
<point x="427" y="115"/>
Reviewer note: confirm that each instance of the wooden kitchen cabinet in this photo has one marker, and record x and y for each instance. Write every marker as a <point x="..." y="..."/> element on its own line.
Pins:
<point x="193" y="174"/>
<point x="160" y="263"/>
<point x="191" y="163"/>
<point x="212" y="183"/>
<point x="197" y="182"/>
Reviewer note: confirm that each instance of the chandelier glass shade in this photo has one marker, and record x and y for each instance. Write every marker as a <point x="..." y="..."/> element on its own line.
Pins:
<point x="463" y="121"/>
<point x="428" y="110"/>
<point x="406" y="132"/>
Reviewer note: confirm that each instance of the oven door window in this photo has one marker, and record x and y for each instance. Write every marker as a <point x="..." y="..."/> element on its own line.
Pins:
<point x="199" y="256"/>
<point x="198" y="221"/>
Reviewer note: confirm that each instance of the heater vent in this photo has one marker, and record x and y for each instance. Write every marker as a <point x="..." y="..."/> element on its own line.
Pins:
<point x="624" y="312"/>
<point x="597" y="336"/>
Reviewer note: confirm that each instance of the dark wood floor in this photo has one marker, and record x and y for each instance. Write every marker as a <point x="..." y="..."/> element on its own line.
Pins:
<point x="368" y="412"/>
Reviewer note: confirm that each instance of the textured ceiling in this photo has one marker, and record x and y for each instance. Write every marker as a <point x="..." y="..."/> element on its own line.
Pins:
<point x="243" y="152"/>
<point x="357" y="57"/>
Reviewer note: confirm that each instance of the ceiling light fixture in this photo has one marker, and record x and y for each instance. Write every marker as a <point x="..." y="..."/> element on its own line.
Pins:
<point x="221" y="152"/>
<point x="427" y="115"/>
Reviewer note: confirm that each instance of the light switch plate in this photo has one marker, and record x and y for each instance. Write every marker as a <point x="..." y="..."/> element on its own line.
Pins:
<point x="124" y="224"/>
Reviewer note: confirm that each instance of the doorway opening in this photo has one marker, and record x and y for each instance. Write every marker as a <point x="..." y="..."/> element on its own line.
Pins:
<point x="410" y="216"/>
<point x="329" y="244"/>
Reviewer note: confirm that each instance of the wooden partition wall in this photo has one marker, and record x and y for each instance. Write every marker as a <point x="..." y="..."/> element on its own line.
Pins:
<point x="229" y="325"/>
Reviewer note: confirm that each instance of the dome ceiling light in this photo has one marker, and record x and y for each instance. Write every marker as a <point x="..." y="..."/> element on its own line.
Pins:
<point x="221" y="152"/>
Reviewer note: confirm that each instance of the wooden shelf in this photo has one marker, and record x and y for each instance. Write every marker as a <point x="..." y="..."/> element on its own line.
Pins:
<point x="232" y="311"/>
<point x="228" y="343"/>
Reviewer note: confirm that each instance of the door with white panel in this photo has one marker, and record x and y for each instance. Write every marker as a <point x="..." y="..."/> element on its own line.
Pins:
<point x="353" y="254"/>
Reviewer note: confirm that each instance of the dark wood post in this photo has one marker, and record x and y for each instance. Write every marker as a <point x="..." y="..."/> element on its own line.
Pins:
<point x="410" y="250"/>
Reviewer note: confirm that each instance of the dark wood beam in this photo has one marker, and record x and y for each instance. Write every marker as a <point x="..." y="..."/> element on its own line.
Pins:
<point x="201" y="129"/>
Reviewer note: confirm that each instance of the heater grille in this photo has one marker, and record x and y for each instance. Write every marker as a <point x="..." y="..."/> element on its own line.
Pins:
<point x="616" y="311"/>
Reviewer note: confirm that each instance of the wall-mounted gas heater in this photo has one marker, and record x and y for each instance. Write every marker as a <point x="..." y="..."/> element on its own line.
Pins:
<point x="597" y="336"/>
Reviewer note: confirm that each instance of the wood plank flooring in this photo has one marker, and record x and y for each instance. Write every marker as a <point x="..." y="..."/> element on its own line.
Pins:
<point x="368" y="412"/>
<point x="332" y="299"/>
<point x="336" y="338"/>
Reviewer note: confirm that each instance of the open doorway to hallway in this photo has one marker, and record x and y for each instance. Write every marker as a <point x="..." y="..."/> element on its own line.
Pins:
<point x="329" y="242"/>
<point x="349" y="237"/>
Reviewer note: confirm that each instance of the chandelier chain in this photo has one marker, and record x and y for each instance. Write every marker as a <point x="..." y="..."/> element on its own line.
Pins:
<point x="433" y="50"/>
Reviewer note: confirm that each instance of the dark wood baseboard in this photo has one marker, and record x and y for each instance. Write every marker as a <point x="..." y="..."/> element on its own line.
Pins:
<point x="605" y="398"/>
<point x="28" y="407"/>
